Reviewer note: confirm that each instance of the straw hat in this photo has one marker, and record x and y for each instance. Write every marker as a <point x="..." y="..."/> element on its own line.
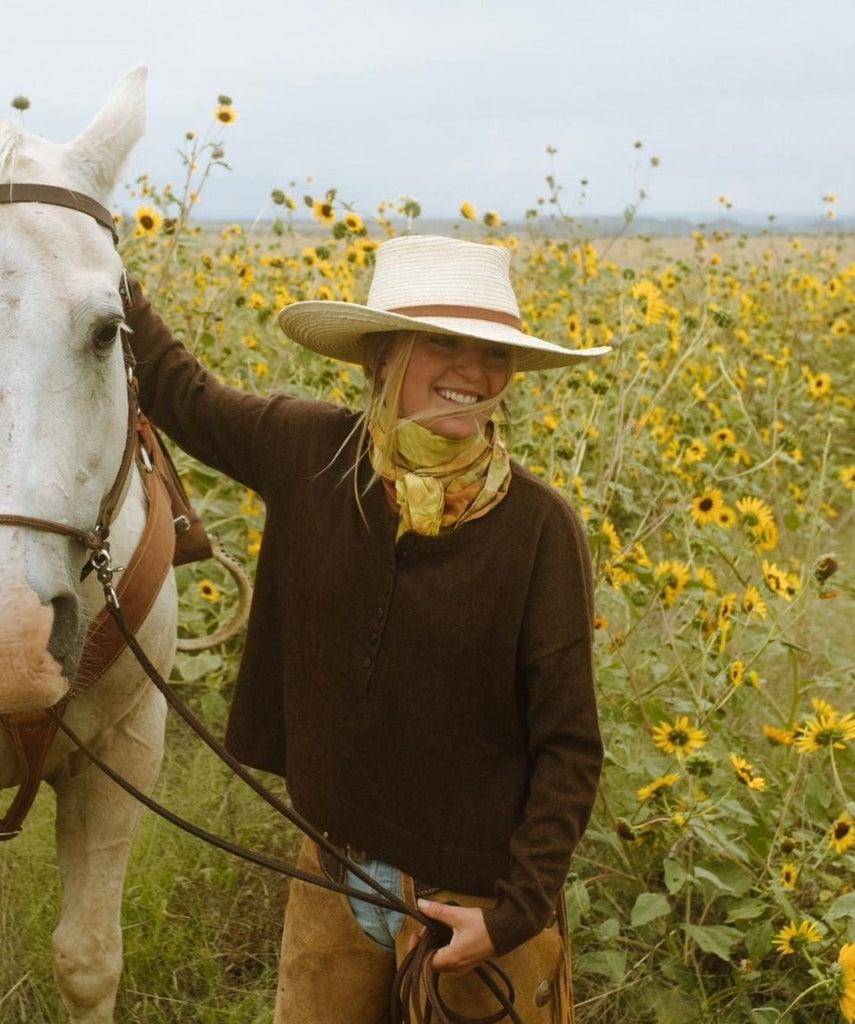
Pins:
<point x="435" y="285"/>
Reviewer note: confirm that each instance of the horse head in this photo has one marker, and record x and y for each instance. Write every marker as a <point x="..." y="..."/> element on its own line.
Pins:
<point x="63" y="394"/>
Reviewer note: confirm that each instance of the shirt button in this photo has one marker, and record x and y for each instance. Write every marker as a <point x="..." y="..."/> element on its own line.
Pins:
<point x="367" y="661"/>
<point x="380" y="611"/>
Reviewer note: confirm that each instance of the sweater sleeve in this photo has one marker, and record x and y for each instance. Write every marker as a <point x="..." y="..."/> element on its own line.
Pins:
<point x="221" y="426"/>
<point x="564" y="746"/>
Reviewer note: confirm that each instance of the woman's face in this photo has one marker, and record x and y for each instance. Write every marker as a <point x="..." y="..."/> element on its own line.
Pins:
<point x="447" y="375"/>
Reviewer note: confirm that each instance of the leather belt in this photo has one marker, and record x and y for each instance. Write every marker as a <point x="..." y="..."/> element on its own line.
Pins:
<point x="336" y="871"/>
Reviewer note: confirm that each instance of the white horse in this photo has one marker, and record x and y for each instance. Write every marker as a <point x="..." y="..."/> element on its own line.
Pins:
<point x="63" y="422"/>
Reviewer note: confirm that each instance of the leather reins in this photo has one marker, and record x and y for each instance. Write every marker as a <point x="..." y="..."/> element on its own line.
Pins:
<point x="417" y="981"/>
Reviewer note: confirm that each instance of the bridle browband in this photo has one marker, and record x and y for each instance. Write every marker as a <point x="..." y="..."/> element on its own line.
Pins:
<point x="52" y="195"/>
<point x="94" y="539"/>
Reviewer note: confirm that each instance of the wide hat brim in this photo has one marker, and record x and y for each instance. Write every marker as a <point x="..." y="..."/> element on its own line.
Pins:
<point x="338" y="329"/>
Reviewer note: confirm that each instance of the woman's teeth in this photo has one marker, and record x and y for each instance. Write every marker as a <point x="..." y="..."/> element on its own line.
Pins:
<point x="457" y="396"/>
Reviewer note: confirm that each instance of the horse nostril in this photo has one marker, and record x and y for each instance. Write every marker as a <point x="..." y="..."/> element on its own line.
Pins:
<point x="62" y="644"/>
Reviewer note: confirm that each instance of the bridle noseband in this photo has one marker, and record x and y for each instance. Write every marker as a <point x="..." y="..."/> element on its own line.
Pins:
<point x="94" y="539"/>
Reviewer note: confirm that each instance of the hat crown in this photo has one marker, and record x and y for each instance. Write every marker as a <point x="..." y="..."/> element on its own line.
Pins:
<point x="425" y="270"/>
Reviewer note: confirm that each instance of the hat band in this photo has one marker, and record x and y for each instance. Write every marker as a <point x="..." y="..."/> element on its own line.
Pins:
<point x="465" y="312"/>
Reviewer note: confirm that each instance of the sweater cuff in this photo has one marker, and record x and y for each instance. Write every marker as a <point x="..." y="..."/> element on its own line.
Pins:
<point x="507" y="928"/>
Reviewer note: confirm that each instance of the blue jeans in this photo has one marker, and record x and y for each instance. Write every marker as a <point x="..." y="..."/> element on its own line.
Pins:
<point x="378" y="923"/>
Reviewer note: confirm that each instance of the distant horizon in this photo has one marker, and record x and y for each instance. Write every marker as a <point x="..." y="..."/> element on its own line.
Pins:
<point x="642" y="223"/>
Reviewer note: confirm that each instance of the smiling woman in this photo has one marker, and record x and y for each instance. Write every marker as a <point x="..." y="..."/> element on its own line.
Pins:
<point x="418" y="660"/>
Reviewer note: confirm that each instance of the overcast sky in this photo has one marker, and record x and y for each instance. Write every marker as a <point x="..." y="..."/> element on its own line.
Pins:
<point x="447" y="100"/>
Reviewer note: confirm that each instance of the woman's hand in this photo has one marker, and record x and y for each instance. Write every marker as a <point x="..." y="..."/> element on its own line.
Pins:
<point x="470" y="944"/>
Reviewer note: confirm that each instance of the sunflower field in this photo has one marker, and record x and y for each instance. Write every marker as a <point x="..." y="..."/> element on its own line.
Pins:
<point x="712" y="456"/>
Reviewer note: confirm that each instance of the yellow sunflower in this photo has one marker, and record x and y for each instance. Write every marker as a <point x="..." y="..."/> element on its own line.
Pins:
<point x="753" y="603"/>
<point x="679" y="737"/>
<point x="323" y="211"/>
<point x="827" y="729"/>
<point x="841" y="835"/>
<point x="779" y="582"/>
<point x="794" y="936"/>
<point x="208" y="591"/>
<point x="789" y="875"/>
<point x="760" y="520"/>
<point x="671" y="577"/>
<point x="780" y="737"/>
<point x="706" y="507"/>
<point x="724" y="437"/>
<point x="354" y="223"/>
<point x="705" y="577"/>
<point x="736" y="672"/>
<point x="663" y="782"/>
<point x="467" y="210"/>
<point x="225" y="113"/>
<point x="726" y="608"/>
<point x="149" y="221"/>
<point x="819" y="385"/>
<point x="846" y="963"/>
<point x="745" y="773"/>
<point x="695" y="452"/>
<point x="652" y="307"/>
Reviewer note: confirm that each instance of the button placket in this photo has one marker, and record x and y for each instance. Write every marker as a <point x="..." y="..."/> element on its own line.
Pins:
<point x="377" y="623"/>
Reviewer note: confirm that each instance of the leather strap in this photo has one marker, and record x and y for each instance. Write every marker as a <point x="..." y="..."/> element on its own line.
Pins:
<point x="139" y="583"/>
<point x="31" y="734"/>
<point x="54" y="196"/>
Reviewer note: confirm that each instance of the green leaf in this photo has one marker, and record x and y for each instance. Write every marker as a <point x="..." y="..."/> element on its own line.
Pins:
<point x="745" y="910"/>
<point x="842" y="907"/>
<point x="715" y="938"/>
<point x="705" y="875"/>
<point x="608" y="962"/>
<point x="578" y="903"/>
<point x="675" y="875"/>
<point x="759" y="940"/>
<point x="648" y="907"/>
<point x="197" y="665"/>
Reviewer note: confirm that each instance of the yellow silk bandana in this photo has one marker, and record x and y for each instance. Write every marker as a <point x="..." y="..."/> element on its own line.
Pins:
<point x="440" y="482"/>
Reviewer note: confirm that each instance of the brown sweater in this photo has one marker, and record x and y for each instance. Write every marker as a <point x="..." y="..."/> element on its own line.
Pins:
<point x="429" y="701"/>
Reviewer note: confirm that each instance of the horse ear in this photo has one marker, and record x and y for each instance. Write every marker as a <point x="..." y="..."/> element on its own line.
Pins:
<point x="100" y="152"/>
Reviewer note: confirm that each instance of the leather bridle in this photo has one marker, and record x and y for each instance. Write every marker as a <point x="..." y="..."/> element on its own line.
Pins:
<point x="417" y="982"/>
<point x="93" y="539"/>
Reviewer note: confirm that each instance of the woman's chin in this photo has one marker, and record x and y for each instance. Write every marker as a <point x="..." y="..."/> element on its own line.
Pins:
<point x="456" y="427"/>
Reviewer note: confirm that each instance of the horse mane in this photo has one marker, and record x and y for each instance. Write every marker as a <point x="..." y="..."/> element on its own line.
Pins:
<point x="10" y="136"/>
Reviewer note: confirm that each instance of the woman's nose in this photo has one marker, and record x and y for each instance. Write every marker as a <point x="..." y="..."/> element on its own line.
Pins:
<point x="469" y="358"/>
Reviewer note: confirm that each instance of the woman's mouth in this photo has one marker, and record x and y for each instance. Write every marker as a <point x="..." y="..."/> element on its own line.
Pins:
<point x="459" y="397"/>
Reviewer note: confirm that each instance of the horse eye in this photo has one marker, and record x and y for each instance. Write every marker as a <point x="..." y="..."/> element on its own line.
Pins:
<point x="104" y="336"/>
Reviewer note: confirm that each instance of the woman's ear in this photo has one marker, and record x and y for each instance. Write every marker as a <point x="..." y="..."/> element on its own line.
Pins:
<point x="375" y="367"/>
